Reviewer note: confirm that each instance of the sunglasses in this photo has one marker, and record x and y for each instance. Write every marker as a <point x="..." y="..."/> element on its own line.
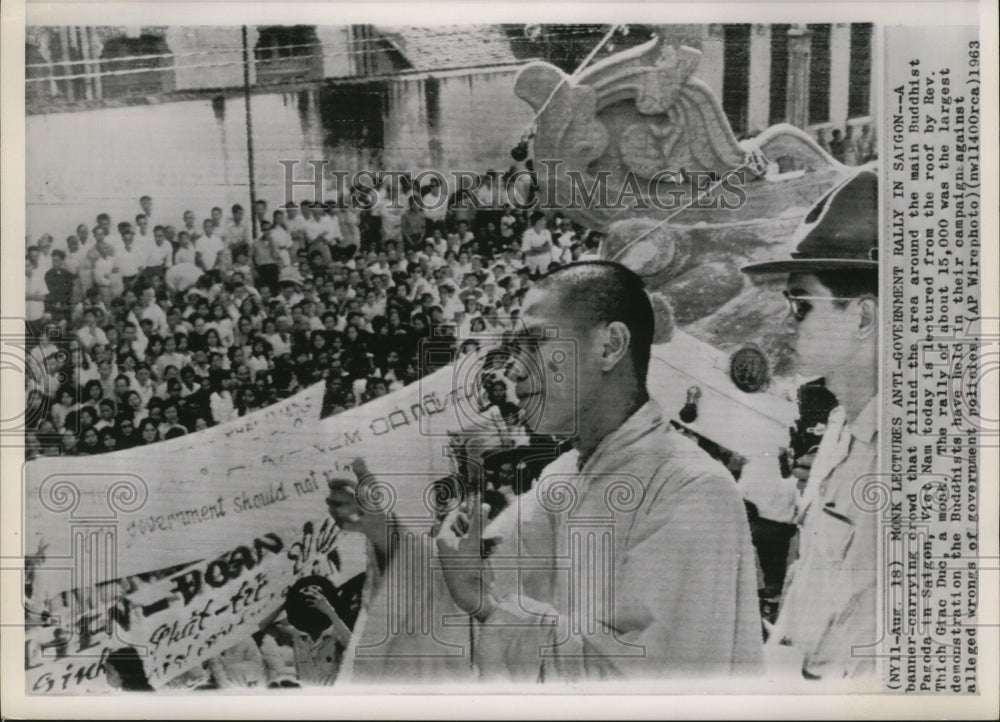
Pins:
<point x="799" y="306"/>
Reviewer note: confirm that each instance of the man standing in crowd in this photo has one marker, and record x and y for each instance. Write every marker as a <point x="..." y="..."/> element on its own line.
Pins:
<point x="35" y="293"/>
<point x="208" y="249"/>
<point x="104" y="271"/>
<point x="60" y="285"/>
<point x="537" y="245"/>
<point x="160" y="256"/>
<point x="78" y="264"/>
<point x="146" y="205"/>
<point x="236" y="236"/>
<point x="190" y="226"/>
<point x="128" y="259"/>
<point x="826" y="622"/>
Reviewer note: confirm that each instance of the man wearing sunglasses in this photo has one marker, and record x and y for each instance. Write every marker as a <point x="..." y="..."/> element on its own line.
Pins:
<point x="826" y="622"/>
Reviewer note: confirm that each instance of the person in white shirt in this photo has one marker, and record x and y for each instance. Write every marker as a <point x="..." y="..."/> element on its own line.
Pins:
<point x="536" y="242"/>
<point x="294" y="223"/>
<point x="237" y="233"/>
<point x="392" y="207"/>
<point x="129" y="260"/>
<point x="190" y="227"/>
<point x="349" y="221"/>
<point x="434" y="202"/>
<point x="221" y="401"/>
<point x="43" y="261"/>
<point x="35" y="293"/>
<point x="76" y="260"/>
<point x="143" y="235"/>
<point x="330" y="224"/>
<point x="310" y="225"/>
<point x="450" y="305"/>
<point x="88" y="251"/>
<point x="146" y="204"/>
<point x="282" y="239"/>
<point x="160" y="255"/>
<point x="104" y="269"/>
<point x="419" y="283"/>
<point x="144" y="385"/>
<point x="90" y="333"/>
<point x="320" y="636"/>
<point x="150" y="309"/>
<point x="208" y="248"/>
<point x="185" y="252"/>
<point x="83" y="235"/>
<point x="507" y="222"/>
<point x="222" y="324"/>
<point x="170" y="357"/>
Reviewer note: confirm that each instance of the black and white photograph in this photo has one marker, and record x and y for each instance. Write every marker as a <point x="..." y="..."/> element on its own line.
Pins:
<point x="371" y="351"/>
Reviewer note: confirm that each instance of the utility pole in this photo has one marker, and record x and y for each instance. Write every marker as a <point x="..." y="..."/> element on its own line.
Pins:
<point x="246" y="103"/>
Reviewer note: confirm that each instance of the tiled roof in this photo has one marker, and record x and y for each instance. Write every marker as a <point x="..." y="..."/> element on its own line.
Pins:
<point x="449" y="46"/>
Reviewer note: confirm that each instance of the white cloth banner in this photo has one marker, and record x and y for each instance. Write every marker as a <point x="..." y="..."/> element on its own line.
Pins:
<point x="243" y="506"/>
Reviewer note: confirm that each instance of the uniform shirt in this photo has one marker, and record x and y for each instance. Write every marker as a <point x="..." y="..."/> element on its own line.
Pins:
<point x="671" y="531"/>
<point x="830" y="600"/>
<point x="316" y="662"/>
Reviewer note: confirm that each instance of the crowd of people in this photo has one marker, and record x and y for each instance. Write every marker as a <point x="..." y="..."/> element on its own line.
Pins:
<point x="851" y="147"/>
<point x="150" y="332"/>
<point x="147" y="328"/>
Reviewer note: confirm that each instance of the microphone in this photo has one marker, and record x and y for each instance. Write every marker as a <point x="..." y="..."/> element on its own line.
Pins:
<point x="689" y="412"/>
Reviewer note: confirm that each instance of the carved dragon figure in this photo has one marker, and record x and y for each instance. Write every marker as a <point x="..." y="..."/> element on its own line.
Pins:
<point x="640" y="132"/>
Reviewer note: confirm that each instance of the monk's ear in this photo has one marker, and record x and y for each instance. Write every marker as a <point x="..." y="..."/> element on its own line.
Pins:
<point x="616" y="341"/>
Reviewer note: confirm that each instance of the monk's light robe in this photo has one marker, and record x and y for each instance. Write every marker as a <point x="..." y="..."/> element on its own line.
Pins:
<point x="636" y="565"/>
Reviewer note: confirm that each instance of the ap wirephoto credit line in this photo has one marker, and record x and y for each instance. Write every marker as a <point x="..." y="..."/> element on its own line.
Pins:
<point x="503" y="357"/>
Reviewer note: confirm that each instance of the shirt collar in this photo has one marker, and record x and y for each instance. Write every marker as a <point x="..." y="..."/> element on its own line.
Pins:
<point x="648" y="417"/>
<point x="306" y="638"/>
<point x="864" y="427"/>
